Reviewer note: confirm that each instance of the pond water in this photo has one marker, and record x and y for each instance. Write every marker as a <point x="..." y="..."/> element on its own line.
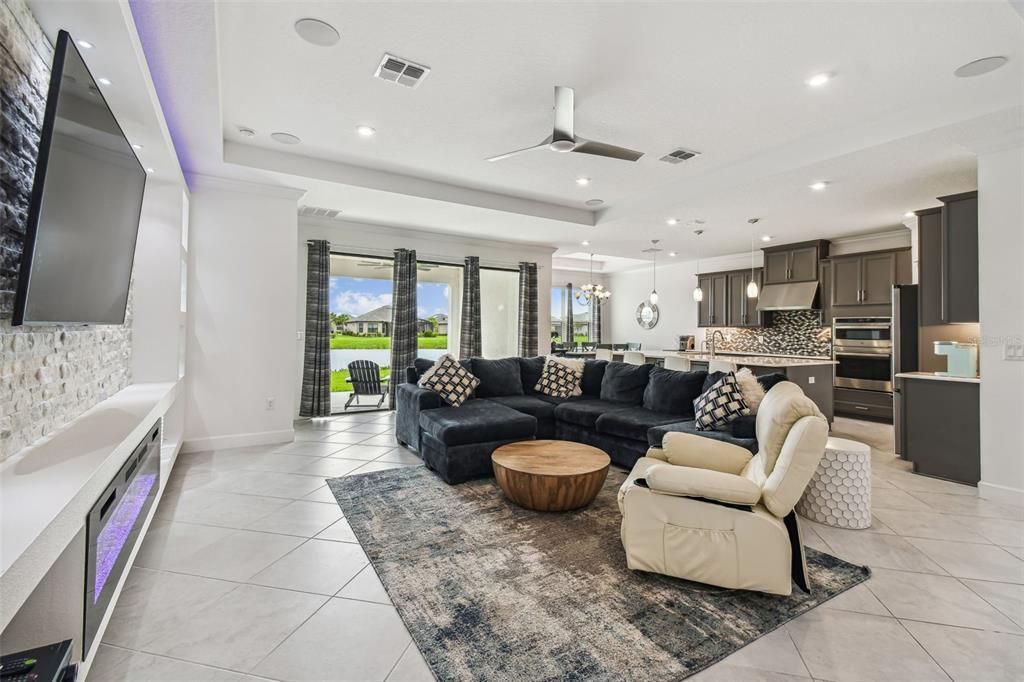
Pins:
<point x="341" y="357"/>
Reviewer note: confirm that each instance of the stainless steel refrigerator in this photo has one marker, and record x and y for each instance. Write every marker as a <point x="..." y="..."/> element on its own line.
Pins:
<point x="904" y="351"/>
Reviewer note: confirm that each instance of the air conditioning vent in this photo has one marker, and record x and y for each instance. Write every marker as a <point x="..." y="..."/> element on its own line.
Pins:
<point x="401" y="71"/>
<point x="318" y="212"/>
<point x="679" y="155"/>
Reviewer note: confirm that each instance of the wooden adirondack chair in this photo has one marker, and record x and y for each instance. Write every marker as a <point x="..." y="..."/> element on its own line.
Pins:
<point x="364" y="376"/>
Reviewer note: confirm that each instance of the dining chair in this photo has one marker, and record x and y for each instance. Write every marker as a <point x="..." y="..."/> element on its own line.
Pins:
<point x="632" y="346"/>
<point x="677" y="363"/>
<point x="632" y="357"/>
<point x="603" y="353"/>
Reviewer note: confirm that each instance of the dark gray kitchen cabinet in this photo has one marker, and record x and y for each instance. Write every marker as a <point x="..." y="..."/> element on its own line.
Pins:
<point x="704" y="305"/>
<point x="948" y="260"/>
<point x="794" y="262"/>
<point x="742" y="310"/>
<point x="866" y="279"/>
<point x="929" y="266"/>
<point x="941" y="421"/>
<point x="719" y="299"/>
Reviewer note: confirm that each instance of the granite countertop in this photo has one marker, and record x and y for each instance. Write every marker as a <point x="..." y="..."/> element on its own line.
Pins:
<point x="934" y="376"/>
<point x="760" y="360"/>
<point x="753" y="354"/>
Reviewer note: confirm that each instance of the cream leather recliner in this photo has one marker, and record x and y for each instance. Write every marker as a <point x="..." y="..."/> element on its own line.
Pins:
<point x="708" y="511"/>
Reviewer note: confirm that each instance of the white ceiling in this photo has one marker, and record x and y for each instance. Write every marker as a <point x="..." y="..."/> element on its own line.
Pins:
<point x="726" y="79"/>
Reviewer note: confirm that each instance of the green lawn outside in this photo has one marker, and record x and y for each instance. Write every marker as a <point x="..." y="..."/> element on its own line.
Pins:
<point x="339" y="379"/>
<point x="341" y="342"/>
<point x="579" y="338"/>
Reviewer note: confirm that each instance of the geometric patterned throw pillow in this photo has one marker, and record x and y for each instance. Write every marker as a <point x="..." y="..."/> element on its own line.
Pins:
<point x="559" y="379"/>
<point x="453" y="382"/>
<point x="720" y="404"/>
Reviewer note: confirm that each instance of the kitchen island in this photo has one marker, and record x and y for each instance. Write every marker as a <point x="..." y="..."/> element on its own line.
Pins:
<point x="940" y="425"/>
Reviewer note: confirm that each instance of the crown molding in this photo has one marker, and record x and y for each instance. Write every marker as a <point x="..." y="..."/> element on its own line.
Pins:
<point x="199" y="182"/>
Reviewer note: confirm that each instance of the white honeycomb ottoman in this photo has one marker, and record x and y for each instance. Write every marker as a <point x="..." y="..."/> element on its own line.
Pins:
<point x="839" y="493"/>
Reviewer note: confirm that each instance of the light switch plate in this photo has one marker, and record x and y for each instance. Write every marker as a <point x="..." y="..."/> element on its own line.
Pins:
<point x="1013" y="350"/>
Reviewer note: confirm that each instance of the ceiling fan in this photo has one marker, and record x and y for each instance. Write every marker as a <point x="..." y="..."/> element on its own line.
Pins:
<point x="564" y="139"/>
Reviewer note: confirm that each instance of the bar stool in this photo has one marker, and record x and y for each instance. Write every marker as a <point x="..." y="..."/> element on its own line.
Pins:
<point x="677" y="363"/>
<point x="633" y="357"/>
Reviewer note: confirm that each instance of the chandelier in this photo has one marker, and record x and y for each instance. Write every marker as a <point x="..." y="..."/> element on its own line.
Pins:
<point x="592" y="292"/>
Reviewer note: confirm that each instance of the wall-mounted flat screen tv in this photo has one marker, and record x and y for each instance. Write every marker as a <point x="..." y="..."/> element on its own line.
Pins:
<point x="84" y="211"/>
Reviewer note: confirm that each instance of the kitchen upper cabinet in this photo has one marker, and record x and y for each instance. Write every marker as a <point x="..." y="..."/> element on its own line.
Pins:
<point x="794" y="262"/>
<point x="866" y="279"/>
<point x="948" y="260"/>
<point x="742" y="310"/>
<point x="725" y="302"/>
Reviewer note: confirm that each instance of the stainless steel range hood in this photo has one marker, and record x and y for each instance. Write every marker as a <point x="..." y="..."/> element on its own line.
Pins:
<point x="795" y="296"/>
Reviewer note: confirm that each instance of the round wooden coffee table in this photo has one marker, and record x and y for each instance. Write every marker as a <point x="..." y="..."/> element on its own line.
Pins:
<point x="550" y="475"/>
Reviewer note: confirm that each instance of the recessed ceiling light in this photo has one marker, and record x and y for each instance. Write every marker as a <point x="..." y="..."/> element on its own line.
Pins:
<point x="85" y="43"/>
<point x="594" y="202"/>
<point x="366" y="131"/>
<point x="285" y="138"/>
<point x="585" y="242"/>
<point x="979" y="67"/>
<point x="136" y="146"/>
<point x="766" y="238"/>
<point x="818" y="80"/>
<point x="582" y="182"/>
<point x="673" y="254"/>
<point x="150" y="170"/>
<point x="672" y="221"/>
<point x="246" y="131"/>
<point x="103" y="81"/>
<point x="818" y="186"/>
<point x="909" y="214"/>
<point x="317" y="32"/>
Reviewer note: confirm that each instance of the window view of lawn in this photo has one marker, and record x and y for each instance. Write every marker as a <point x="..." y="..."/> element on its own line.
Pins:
<point x="342" y="342"/>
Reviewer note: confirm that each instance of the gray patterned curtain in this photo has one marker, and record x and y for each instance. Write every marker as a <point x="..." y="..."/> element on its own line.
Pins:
<point x="595" y="320"/>
<point x="403" y="318"/>
<point x="470" y="345"/>
<point x="570" y="335"/>
<point x="316" y="358"/>
<point x="527" y="310"/>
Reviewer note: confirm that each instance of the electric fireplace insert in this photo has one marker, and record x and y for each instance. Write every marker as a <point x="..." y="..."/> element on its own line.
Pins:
<point x="113" y="525"/>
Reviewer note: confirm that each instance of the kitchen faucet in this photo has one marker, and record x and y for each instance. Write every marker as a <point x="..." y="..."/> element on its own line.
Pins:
<point x="710" y="343"/>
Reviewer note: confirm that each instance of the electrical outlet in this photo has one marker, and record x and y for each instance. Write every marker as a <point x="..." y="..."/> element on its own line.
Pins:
<point x="810" y="380"/>
<point x="270" y="403"/>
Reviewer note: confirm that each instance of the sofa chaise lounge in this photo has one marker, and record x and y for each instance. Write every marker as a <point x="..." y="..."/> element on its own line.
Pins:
<point x="623" y="410"/>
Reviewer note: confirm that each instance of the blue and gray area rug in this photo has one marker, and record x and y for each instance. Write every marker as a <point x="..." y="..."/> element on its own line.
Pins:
<point x="491" y="591"/>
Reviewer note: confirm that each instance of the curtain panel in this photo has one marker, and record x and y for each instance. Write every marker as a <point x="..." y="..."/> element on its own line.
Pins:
<point x="470" y="340"/>
<point x="403" y="318"/>
<point x="595" y="320"/>
<point x="569" y="338"/>
<point x="527" y="310"/>
<point x="315" y="400"/>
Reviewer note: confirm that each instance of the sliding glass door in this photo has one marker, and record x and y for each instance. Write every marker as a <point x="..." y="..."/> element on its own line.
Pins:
<point x="499" y="313"/>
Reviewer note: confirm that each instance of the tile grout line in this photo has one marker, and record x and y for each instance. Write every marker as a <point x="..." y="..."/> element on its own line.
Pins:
<point x="185" y="660"/>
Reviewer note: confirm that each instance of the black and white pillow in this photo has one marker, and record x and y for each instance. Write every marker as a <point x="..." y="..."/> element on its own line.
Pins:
<point x="560" y="379"/>
<point x="720" y="404"/>
<point x="453" y="382"/>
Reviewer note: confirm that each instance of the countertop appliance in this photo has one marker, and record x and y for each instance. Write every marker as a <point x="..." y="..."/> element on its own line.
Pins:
<point x="905" y="358"/>
<point x="961" y="358"/>
<point x="686" y="342"/>
<point x="862" y="348"/>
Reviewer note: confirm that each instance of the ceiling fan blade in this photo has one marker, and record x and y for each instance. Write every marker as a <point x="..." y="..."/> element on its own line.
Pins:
<point x="608" y="150"/>
<point x="542" y="145"/>
<point x="565" y="99"/>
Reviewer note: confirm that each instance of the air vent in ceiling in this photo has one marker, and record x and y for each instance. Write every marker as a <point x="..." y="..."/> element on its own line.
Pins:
<point x="318" y="212"/>
<point x="401" y="71"/>
<point x="679" y="155"/>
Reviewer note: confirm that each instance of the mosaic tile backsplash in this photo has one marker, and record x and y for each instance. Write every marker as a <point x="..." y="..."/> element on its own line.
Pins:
<point x="793" y="332"/>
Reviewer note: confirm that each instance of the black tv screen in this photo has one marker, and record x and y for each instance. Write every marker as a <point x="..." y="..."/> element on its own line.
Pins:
<point x="84" y="211"/>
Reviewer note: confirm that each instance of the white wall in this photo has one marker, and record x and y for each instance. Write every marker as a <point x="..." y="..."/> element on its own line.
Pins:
<point x="380" y="240"/>
<point x="241" y="324"/>
<point x="1001" y="294"/>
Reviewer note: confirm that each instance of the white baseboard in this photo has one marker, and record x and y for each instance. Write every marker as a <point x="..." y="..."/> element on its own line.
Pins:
<point x="237" y="440"/>
<point x="1000" y="493"/>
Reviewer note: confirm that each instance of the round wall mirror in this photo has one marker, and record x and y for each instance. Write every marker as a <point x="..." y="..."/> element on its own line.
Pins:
<point x="647" y="315"/>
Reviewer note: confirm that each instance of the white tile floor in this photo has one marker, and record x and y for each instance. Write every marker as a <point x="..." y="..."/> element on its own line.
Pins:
<point x="250" y="572"/>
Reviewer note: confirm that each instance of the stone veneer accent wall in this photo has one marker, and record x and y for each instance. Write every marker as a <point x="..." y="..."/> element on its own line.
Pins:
<point x="48" y="375"/>
<point x="793" y="332"/>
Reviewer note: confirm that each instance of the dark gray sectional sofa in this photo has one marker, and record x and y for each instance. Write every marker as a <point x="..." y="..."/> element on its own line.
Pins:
<point x="624" y="410"/>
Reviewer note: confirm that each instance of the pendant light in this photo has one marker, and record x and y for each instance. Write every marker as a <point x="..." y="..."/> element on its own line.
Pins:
<point x="698" y="293"/>
<point x="752" y="285"/>
<point x="653" y="298"/>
